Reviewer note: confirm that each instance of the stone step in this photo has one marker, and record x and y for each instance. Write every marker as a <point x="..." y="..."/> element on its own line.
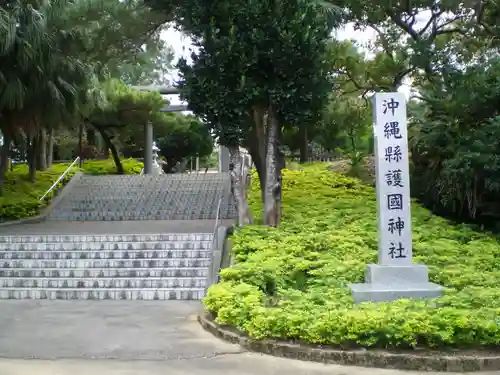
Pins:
<point x="105" y="263"/>
<point x="95" y="216"/>
<point x="84" y="193"/>
<point x="110" y="246"/>
<point x="185" y="182"/>
<point x="179" y="197"/>
<point x="103" y="294"/>
<point x="103" y="273"/>
<point x="107" y="282"/>
<point x="126" y="208"/>
<point x="103" y="254"/>
<point x="107" y="238"/>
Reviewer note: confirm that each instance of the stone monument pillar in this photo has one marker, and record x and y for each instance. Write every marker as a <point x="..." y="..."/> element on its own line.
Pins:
<point x="395" y="276"/>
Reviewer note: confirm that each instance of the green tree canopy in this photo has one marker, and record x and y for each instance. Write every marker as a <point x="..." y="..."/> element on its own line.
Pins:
<point x="258" y="65"/>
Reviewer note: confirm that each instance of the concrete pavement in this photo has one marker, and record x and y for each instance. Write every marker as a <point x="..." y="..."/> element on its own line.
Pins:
<point x="131" y="338"/>
<point x="231" y="364"/>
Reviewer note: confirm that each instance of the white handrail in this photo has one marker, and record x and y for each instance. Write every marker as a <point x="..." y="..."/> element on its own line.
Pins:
<point x="61" y="177"/>
<point x="217" y="216"/>
<point x="215" y="242"/>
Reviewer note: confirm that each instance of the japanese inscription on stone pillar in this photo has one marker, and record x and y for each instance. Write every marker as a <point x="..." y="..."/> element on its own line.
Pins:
<point x="393" y="181"/>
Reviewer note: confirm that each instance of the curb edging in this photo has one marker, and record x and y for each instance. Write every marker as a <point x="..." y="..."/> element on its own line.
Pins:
<point x="362" y="358"/>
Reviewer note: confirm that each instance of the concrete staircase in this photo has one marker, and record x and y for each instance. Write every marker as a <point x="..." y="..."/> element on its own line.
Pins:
<point x="124" y="267"/>
<point x="147" y="197"/>
<point x="78" y="253"/>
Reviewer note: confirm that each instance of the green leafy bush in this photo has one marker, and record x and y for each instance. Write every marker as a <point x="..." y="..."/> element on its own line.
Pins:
<point x="292" y="282"/>
<point x="21" y="198"/>
<point x="100" y="167"/>
<point x="455" y="146"/>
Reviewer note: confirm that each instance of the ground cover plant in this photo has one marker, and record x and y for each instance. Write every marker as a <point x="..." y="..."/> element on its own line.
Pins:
<point x="21" y="197"/>
<point x="292" y="282"/>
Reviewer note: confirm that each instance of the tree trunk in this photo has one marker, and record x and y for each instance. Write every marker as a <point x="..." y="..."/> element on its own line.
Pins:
<point x="91" y="138"/>
<point x="280" y="155"/>
<point x="259" y="163"/>
<point x="303" y="143"/>
<point x="272" y="211"/>
<point x="257" y="146"/>
<point x="239" y="181"/>
<point x="50" y="148"/>
<point x="114" y="152"/>
<point x="4" y="161"/>
<point x="41" y="160"/>
<point x="33" y="156"/>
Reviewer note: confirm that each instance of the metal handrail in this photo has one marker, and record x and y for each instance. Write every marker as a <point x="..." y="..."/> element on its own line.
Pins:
<point x="217" y="216"/>
<point x="61" y="177"/>
<point x="215" y="243"/>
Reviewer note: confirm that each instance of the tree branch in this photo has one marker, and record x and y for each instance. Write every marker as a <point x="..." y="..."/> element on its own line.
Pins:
<point x="383" y="40"/>
<point x="430" y="22"/>
<point x="402" y="25"/>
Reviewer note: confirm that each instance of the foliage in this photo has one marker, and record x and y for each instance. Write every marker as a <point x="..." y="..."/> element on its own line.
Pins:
<point x="40" y="67"/>
<point x="21" y="198"/>
<point x="455" y="146"/>
<point x="53" y="55"/>
<point x="449" y="49"/>
<point x="188" y="138"/>
<point x="123" y="105"/>
<point x="177" y="136"/>
<point x="236" y="68"/>
<point x="104" y="167"/>
<point x="50" y="50"/>
<point x="419" y="39"/>
<point x="150" y="68"/>
<point x="292" y="283"/>
<point x="258" y="66"/>
<point x="364" y="171"/>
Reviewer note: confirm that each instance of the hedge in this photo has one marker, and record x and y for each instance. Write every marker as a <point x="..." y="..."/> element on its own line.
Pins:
<point x="291" y="283"/>
<point x="21" y="198"/>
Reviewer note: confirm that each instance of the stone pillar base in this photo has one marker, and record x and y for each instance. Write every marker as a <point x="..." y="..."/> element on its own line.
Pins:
<point x="388" y="283"/>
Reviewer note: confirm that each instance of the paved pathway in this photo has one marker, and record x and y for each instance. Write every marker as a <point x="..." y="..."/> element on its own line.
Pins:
<point x="131" y="338"/>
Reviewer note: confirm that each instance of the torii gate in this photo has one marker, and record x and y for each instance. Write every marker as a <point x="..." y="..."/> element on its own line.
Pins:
<point x="148" y="129"/>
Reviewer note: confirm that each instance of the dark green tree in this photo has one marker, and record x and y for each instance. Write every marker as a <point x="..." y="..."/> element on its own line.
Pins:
<point x="122" y="107"/>
<point x="258" y="65"/>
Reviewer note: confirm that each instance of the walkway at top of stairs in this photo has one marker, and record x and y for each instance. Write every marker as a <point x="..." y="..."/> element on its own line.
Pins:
<point x="113" y="227"/>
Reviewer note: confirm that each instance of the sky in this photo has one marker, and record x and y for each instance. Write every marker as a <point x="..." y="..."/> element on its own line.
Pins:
<point x="182" y="44"/>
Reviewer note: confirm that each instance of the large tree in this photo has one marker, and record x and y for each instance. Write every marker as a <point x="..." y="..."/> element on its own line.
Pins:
<point x="449" y="50"/>
<point x="417" y="40"/>
<point x="259" y="66"/>
<point x="42" y="77"/>
<point x="52" y="53"/>
<point x="121" y="107"/>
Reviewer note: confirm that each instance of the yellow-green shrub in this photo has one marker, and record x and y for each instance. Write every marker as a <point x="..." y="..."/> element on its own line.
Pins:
<point x="99" y="167"/>
<point x="21" y="198"/>
<point x="292" y="283"/>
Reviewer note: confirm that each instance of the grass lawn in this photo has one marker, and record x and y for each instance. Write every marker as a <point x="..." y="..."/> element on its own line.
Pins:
<point x="291" y="283"/>
<point x="21" y="198"/>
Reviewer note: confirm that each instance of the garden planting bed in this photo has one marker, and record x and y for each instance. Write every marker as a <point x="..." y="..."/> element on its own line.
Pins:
<point x="291" y="284"/>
